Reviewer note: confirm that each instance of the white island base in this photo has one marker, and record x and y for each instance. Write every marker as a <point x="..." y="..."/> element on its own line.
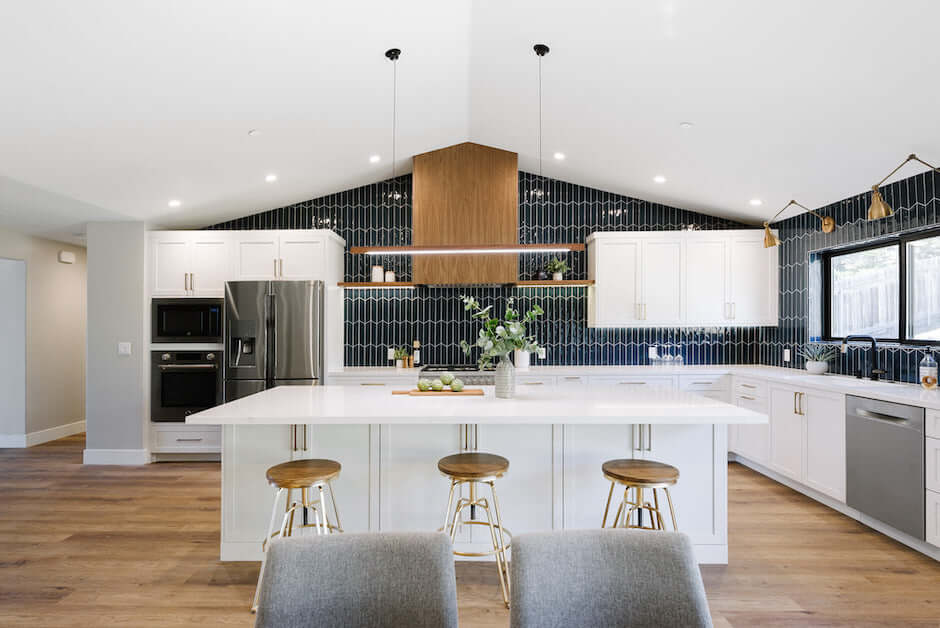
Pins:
<point x="555" y="443"/>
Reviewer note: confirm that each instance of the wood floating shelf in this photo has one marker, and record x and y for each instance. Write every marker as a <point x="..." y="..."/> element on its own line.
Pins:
<point x="376" y="284"/>
<point x="468" y="249"/>
<point x="550" y="283"/>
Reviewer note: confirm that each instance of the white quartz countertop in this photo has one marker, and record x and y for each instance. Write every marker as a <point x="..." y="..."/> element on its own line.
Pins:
<point x="911" y="394"/>
<point x="354" y="404"/>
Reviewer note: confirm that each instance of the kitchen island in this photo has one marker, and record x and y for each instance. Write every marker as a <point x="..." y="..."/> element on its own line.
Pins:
<point x="555" y="440"/>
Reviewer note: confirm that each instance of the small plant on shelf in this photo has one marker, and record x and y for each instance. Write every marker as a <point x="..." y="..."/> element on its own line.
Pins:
<point x="401" y="356"/>
<point x="557" y="268"/>
<point x="817" y="356"/>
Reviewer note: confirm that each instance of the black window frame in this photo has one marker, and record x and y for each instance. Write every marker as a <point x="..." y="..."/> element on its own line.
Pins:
<point x="899" y="241"/>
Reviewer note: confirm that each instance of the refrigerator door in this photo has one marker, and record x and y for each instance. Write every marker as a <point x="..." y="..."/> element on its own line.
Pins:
<point x="246" y="329"/>
<point x="297" y="329"/>
<point x="238" y="388"/>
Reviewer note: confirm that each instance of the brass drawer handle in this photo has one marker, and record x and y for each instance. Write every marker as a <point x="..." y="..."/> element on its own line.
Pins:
<point x="533" y="383"/>
<point x="188" y="440"/>
<point x="573" y="378"/>
<point x="632" y="383"/>
<point x="371" y="384"/>
<point x="746" y="397"/>
<point x="748" y="386"/>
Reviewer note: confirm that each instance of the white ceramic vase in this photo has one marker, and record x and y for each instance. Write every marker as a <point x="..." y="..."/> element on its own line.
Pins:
<point x="817" y="367"/>
<point x="520" y="359"/>
<point x="558" y="276"/>
<point x="505" y="378"/>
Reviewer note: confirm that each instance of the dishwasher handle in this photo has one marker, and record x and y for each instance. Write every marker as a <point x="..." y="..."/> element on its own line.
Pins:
<point x="886" y="418"/>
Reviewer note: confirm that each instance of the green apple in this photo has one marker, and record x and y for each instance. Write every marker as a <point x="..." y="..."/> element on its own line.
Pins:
<point x="456" y="385"/>
<point x="424" y="384"/>
<point x="437" y="385"/>
<point x="447" y="378"/>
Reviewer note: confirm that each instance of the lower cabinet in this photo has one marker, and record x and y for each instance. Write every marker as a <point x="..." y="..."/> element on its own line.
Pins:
<point x="350" y="445"/>
<point x="786" y="433"/>
<point x="586" y="448"/>
<point x="933" y="518"/>
<point x="751" y="441"/>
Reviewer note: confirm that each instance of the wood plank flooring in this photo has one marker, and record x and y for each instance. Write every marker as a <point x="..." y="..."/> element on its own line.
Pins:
<point x="138" y="546"/>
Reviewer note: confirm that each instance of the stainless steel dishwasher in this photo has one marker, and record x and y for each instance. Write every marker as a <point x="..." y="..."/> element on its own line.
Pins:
<point x="884" y="457"/>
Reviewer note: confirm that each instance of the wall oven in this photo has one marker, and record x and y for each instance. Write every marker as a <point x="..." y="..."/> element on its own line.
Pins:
<point x="183" y="382"/>
<point x="187" y="320"/>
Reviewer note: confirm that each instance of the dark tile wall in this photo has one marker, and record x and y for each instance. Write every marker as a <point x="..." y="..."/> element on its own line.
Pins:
<point x="916" y="202"/>
<point x="377" y="319"/>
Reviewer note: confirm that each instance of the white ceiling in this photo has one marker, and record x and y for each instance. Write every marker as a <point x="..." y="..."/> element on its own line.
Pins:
<point x="111" y="108"/>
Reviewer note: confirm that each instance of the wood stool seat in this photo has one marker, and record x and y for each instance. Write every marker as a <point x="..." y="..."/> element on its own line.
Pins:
<point x="473" y="466"/>
<point x="303" y="473"/>
<point x="645" y="473"/>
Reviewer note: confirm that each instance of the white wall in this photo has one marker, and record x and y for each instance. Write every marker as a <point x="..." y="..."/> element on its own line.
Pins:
<point x="116" y="391"/>
<point x="12" y="352"/>
<point x="55" y="335"/>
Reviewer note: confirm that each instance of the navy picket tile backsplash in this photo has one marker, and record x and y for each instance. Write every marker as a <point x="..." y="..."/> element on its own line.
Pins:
<point x="377" y="319"/>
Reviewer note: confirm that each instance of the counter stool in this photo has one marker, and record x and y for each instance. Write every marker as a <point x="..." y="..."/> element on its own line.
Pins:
<point x="306" y="475"/>
<point x="472" y="469"/>
<point x="640" y="475"/>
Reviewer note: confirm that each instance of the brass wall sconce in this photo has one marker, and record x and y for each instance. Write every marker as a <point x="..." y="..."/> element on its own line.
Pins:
<point x="827" y="224"/>
<point x="879" y="208"/>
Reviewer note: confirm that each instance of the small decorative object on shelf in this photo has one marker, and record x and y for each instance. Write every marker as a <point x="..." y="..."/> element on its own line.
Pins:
<point x="390" y="276"/>
<point x="557" y="267"/>
<point x="401" y="357"/>
<point x="416" y="351"/>
<point x="928" y="372"/>
<point x="500" y="337"/>
<point x="378" y="274"/>
<point x="817" y="357"/>
<point x="520" y="359"/>
<point x="540" y="275"/>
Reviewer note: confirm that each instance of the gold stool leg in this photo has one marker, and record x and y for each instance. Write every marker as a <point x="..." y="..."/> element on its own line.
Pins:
<point x="450" y="503"/>
<point x="502" y="562"/>
<point x="607" y="507"/>
<point x="339" y="526"/>
<point x="672" y="511"/>
<point x="325" y="521"/>
<point x="264" y="557"/>
<point x="622" y="509"/>
<point x="659" y="514"/>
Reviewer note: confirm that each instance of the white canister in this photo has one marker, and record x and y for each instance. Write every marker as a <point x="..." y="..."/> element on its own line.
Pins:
<point x="378" y="274"/>
<point x="520" y="359"/>
<point x="389" y="276"/>
<point x="558" y="276"/>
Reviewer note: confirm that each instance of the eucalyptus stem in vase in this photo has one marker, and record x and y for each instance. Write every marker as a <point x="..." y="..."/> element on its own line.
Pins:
<point x="500" y="337"/>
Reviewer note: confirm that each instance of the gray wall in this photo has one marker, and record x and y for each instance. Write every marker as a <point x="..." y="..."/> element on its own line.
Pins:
<point x="13" y="341"/>
<point x="55" y="330"/>
<point x="116" y="308"/>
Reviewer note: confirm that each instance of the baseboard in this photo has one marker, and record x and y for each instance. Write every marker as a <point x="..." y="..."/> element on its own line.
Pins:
<point x="54" y="433"/>
<point x="116" y="456"/>
<point x="915" y="544"/>
<point x="12" y="441"/>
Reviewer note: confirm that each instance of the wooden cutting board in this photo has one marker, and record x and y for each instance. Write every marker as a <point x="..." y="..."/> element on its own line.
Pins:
<point x="466" y="392"/>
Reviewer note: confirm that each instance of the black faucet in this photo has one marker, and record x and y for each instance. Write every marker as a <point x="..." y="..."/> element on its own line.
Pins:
<point x="876" y="372"/>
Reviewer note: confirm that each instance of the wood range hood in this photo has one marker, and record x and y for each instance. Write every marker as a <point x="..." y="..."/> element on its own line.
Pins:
<point x="465" y="198"/>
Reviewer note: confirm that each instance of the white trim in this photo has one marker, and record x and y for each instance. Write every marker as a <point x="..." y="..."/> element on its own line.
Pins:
<point x="916" y="544"/>
<point x="55" y="433"/>
<point x="12" y="441"/>
<point x="116" y="456"/>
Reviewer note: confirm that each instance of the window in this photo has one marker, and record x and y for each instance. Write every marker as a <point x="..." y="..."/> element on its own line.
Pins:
<point x="890" y="291"/>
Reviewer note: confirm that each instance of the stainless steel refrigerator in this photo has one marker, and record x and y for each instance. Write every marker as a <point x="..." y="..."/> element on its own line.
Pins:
<point x="273" y="335"/>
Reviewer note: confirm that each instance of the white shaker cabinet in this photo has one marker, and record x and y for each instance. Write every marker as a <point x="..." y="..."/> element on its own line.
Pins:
<point x="188" y="263"/>
<point x="786" y="432"/>
<point x="681" y="279"/>
<point x="824" y="451"/>
<point x="300" y="254"/>
<point x="256" y="255"/>
<point x="211" y="263"/>
<point x="751" y="441"/>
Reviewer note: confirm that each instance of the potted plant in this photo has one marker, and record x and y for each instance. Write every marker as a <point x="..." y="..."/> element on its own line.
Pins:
<point x="557" y="267"/>
<point x="817" y="357"/>
<point x="400" y="354"/>
<point x="498" y="338"/>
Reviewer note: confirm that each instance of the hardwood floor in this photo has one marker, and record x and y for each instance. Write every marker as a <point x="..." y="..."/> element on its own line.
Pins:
<point x="138" y="546"/>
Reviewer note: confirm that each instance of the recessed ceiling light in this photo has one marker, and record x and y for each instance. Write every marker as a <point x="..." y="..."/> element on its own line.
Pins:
<point x="252" y="131"/>
<point x="686" y="125"/>
<point x="659" y="178"/>
<point x="271" y="178"/>
<point x="175" y="203"/>
<point x="374" y="159"/>
<point x="559" y="156"/>
<point x="756" y="202"/>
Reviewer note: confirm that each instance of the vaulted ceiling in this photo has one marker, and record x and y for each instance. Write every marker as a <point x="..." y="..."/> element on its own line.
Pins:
<point x="109" y="109"/>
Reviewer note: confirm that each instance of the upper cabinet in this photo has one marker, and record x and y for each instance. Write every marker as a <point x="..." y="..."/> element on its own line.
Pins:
<point x="681" y="279"/>
<point x="198" y="263"/>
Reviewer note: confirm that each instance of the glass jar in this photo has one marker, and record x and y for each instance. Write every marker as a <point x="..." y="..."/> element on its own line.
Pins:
<point x="928" y="372"/>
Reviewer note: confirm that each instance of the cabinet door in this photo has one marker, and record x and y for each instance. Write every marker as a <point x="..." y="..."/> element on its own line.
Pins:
<point x="933" y="518"/>
<point x="932" y="463"/>
<point x="786" y="433"/>
<point x="348" y="445"/>
<point x="586" y="448"/>
<point x="662" y="283"/>
<point x="825" y="442"/>
<point x="753" y="282"/>
<point x="614" y="300"/>
<point x="247" y="453"/>
<point x="211" y="263"/>
<point x="752" y="441"/>
<point x="301" y="256"/>
<point x="256" y="255"/>
<point x="171" y="259"/>
<point x="706" y="281"/>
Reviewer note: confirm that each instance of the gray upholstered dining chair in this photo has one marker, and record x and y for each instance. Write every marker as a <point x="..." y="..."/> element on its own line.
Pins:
<point x="360" y="580"/>
<point x="612" y="578"/>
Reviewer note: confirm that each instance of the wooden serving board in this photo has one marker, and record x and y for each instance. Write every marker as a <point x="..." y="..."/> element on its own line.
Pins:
<point x="466" y="392"/>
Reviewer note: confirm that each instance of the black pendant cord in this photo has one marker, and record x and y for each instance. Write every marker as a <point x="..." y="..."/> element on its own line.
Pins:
<point x="394" y="110"/>
<point x="540" y="117"/>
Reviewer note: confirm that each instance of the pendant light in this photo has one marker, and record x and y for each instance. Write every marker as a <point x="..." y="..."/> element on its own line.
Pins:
<point x="826" y="223"/>
<point x="879" y="208"/>
<point x="395" y="194"/>
<point x="538" y="192"/>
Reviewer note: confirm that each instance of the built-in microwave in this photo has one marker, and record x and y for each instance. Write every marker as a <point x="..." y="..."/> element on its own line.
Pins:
<point x="187" y="320"/>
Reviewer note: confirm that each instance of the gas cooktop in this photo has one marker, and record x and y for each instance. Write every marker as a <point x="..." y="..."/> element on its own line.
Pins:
<point x="454" y="368"/>
<point x="468" y="373"/>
